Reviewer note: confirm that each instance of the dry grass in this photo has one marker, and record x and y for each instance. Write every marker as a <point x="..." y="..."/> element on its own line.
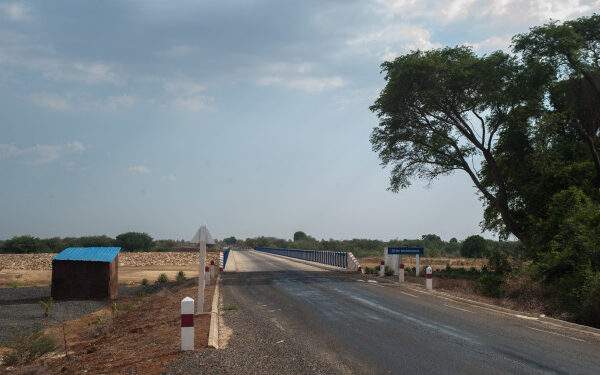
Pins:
<point x="140" y="339"/>
<point x="435" y="263"/>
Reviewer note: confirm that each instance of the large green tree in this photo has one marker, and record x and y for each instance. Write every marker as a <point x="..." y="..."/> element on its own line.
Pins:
<point x="442" y="111"/>
<point x="571" y="51"/>
<point x="134" y="241"/>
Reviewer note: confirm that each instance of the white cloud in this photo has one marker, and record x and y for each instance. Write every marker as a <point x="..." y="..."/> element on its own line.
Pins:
<point x="492" y="44"/>
<point x="52" y="101"/>
<point x="39" y="154"/>
<point x="14" y="11"/>
<point x="297" y="76"/>
<point x="90" y="73"/>
<point x="193" y="103"/>
<point x="70" y="102"/>
<point x="114" y="102"/>
<point x="178" y="51"/>
<point x="139" y="169"/>
<point x="170" y="178"/>
<point x="305" y="83"/>
<point x="183" y="88"/>
<point x="390" y="41"/>
<point x="514" y="12"/>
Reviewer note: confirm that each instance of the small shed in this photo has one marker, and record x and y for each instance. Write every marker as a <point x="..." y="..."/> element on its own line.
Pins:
<point x="85" y="273"/>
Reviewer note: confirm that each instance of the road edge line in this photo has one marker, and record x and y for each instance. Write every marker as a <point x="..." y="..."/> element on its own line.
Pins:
<point x="213" y="331"/>
<point x="558" y="322"/>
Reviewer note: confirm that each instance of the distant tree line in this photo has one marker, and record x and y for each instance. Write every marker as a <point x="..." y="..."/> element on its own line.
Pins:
<point x="130" y="241"/>
<point x="472" y="247"/>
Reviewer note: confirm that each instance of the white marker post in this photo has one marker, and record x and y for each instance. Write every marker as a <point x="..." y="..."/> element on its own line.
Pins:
<point x="187" y="324"/>
<point x="382" y="269"/>
<point x="213" y="269"/>
<point x="401" y="273"/>
<point x="206" y="275"/>
<point x="428" y="280"/>
<point x="417" y="265"/>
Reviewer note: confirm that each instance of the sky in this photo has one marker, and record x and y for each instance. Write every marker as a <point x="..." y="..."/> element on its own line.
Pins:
<point x="249" y="116"/>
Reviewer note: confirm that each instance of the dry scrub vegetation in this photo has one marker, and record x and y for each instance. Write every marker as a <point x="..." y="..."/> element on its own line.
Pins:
<point x="139" y="334"/>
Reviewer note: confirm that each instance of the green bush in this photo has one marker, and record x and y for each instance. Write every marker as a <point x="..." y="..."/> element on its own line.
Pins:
<point x="388" y="271"/>
<point x="144" y="281"/>
<point x="27" y="346"/>
<point x="491" y="285"/>
<point x="162" y="278"/>
<point x="180" y="276"/>
<point x="498" y="263"/>
<point x="369" y="270"/>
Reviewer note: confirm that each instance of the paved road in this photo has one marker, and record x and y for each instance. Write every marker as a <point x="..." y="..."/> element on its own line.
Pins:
<point x="296" y="318"/>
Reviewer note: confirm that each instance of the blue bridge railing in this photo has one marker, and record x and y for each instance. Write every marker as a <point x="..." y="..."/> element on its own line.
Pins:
<point x="332" y="258"/>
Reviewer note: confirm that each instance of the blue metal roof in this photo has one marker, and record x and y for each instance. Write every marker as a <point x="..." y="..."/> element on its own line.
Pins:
<point x="89" y="254"/>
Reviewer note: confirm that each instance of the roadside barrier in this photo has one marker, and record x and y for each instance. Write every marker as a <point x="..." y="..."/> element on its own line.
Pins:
<point x="428" y="280"/>
<point x="401" y="273"/>
<point x="187" y="324"/>
<point x="333" y="258"/>
<point x="382" y="269"/>
<point x="353" y="263"/>
<point x="221" y="261"/>
<point x="225" y="257"/>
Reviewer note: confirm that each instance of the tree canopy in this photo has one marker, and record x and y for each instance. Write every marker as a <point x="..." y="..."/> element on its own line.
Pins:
<point x="525" y="128"/>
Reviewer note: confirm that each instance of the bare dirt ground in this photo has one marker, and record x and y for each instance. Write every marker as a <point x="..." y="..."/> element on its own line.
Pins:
<point x="36" y="269"/>
<point x="140" y="337"/>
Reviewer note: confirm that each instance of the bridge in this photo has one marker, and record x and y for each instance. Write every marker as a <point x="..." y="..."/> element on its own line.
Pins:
<point x="290" y="316"/>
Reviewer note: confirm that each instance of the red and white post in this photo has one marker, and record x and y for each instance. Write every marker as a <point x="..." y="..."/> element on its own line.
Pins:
<point x="213" y="269"/>
<point x="187" y="324"/>
<point x="401" y="273"/>
<point x="206" y="275"/>
<point x="428" y="280"/>
<point x="382" y="269"/>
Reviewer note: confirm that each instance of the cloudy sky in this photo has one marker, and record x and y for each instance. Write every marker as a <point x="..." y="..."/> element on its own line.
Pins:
<point x="250" y="116"/>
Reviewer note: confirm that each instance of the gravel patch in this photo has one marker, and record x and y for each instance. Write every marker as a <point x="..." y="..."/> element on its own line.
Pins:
<point x="256" y="346"/>
<point x="20" y="307"/>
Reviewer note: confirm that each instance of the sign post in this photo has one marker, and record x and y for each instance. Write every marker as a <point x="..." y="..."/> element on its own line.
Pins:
<point x="407" y="251"/>
<point x="202" y="238"/>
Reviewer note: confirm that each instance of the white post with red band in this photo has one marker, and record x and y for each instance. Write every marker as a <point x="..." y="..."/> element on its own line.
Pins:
<point x="401" y="273"/>
<point x="428" y="280"/>
<point x="206" y="275"/>
<point x="187" y="324"/>
<point x="382" y="269"/>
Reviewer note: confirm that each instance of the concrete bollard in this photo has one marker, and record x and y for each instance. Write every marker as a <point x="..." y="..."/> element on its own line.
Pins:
<point x="187" y="324"/>
<point x="213" y="269"/>
<point x="401" y="273"/>
<point x="207" y="275"/>
<point x="382" y="269"/>
<point x="428" y="280"/>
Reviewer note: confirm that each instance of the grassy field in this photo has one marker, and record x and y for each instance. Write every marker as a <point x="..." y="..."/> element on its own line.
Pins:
<point x="435" y="263"/>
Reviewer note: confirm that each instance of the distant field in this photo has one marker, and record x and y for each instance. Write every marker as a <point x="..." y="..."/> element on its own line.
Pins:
<point x="435" y="263"/>
<point x="36" y="269"/>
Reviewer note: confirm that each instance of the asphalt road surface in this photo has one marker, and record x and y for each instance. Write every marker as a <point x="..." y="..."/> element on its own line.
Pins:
<point x="296" y="318"/>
